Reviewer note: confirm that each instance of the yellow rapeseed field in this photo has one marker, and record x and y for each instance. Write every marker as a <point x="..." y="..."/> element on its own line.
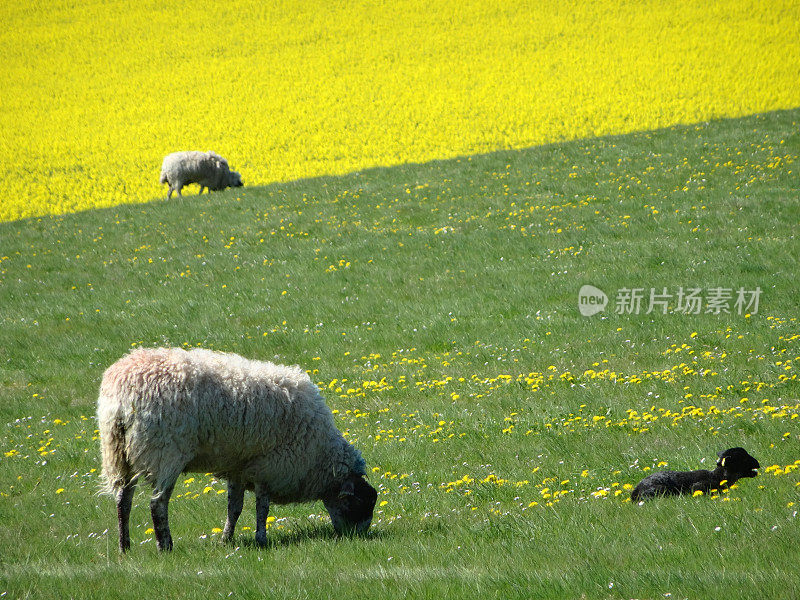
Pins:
<point x="96" y="92"/>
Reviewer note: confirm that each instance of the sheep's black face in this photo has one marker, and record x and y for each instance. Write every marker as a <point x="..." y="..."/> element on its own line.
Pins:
<point x="737" y="461"/>
<point x="352" y="506"/>
<point x="236" y="179"/>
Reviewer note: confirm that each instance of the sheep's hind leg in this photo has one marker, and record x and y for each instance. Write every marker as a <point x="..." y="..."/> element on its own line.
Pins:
<point x="124" y="503"/>
<point x="235" y="502"/>
<point x="262" y="511"/>
<point x="159" y="506"/>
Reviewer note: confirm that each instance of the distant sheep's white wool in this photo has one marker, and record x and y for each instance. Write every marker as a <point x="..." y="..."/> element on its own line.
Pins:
<point x="165" y="411"/>
<point x="208" y="169"/>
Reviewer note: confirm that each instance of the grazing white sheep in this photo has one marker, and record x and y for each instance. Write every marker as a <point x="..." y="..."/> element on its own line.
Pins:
<point x="260" y="426"/>
<point x="208" y="169"/>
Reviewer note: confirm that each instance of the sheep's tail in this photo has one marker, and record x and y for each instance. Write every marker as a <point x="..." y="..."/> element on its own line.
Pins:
<point x="116" y="472"/>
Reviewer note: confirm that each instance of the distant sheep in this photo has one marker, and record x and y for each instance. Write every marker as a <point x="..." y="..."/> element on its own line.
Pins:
<point x="733" y="464"/>
<point x="260" y="426"/>
<point x="208" y="169"/>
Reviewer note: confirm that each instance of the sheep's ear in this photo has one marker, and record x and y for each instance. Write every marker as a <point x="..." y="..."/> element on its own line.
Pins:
<point x="722" y="462"/>
<point x="348" y="489"/>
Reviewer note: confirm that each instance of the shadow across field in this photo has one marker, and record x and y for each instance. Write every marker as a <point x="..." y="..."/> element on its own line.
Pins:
<point x="436" y="306"/>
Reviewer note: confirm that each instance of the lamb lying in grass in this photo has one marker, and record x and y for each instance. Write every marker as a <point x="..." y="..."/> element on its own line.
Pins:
<point x="733" y="464"/>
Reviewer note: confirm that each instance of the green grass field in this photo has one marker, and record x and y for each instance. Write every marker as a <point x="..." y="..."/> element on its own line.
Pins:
<point x="437" y="307"/>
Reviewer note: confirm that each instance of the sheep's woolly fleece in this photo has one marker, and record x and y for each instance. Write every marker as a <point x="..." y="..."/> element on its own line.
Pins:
<point x="165" y="411"/>
<point x="207" y="169"/>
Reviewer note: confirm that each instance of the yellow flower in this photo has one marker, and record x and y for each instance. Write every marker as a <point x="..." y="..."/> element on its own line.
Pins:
<point x="388" y="109"/>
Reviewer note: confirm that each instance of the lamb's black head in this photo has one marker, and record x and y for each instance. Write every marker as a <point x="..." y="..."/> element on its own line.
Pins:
<point x="234" y="179"/>
<point x="351" y="506"/>
<point x="738" y="463"/>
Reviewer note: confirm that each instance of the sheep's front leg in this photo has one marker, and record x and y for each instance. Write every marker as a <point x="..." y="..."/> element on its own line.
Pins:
<point x="159" y="505"/>
<point x="235" y="502"/>
<point x="124" y="503"/>
<point x="262" y="511"/>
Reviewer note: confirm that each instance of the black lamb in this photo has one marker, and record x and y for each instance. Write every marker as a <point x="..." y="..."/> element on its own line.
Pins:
<point x="733" y="464"/>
